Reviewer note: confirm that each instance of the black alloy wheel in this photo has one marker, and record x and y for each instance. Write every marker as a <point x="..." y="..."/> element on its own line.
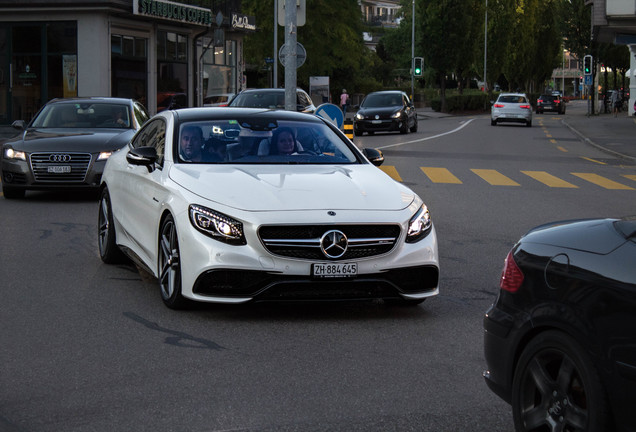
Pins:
<point x="170" y="265"/>
<point x="414" y="127"/>
<point x="556" y="388"/>
<point x="109" y="252"/>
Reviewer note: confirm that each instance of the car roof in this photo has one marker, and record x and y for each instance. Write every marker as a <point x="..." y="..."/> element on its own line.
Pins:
<point x="222" y="113"/>
<point x="387" y="92"/>
<point x="512" y="94"/>
<point x="261" y="90"/>
<point x="93" y="99"/>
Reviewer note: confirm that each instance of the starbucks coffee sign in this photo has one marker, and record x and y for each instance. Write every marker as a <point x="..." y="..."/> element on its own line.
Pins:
<point x="173" y="11"/>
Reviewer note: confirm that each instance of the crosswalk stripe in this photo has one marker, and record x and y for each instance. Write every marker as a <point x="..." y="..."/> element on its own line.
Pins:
<point x="602" y="181"/>
<point x="494" y="177"/>
<point x="630" y="176"/>
<point x="549" y="179"/>
<point x="391" y="172"/>
<point x="440" y="175"/>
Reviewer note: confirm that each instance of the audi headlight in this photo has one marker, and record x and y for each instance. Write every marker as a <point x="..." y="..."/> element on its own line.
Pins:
<point x="419" y="225"/>
<point x="359" y="116"/>
<point x="12" y="154"/>
<point x="217" y="225"/>
<point x="104" y="155"/>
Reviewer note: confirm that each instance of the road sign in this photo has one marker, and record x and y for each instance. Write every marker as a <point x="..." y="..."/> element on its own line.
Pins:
<point x="301" y="54"/>
<point x="588" y="79"/>
<point x="301" y="7"/>
<point x="332" y="113"/>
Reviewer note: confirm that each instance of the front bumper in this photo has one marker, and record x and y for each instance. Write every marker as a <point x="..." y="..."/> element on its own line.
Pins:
<point x="379" y="125"/>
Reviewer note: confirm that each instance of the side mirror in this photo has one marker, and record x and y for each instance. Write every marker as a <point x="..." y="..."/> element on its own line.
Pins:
<point x="143" y="156"/>
<point x="19" y="125"/>
<point x="374" y="156"/>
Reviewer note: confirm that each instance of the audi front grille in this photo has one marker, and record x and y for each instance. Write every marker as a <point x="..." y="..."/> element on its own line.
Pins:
<point x="307" y="241"/>
<point x="60" y="167"/>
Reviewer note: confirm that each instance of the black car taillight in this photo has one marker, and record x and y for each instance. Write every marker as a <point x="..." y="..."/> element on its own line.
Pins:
<point x="511" y="276"/>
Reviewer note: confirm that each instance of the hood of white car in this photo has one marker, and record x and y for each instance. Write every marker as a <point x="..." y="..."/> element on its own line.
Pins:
<point x="294" y="187"/>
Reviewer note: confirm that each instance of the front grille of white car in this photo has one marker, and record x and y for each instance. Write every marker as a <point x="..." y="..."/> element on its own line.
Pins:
<point x="304" y="241"/>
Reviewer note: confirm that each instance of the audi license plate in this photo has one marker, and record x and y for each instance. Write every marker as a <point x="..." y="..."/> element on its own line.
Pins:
<point x="59" y="169"/>
<point x="334" y="270"/>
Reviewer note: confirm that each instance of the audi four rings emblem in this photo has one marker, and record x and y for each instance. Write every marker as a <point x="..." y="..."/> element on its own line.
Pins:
<point x="60" y="158"/>
<point x="334" y="244"/>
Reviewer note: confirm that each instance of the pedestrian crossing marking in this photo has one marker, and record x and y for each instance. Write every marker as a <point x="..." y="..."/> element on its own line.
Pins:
<point x="602" y="181"/>
<point x="549" y="179"/>
<point x="630" y="176"/>
<point x="440" y="175"/>
<point x="563" y="149"/>
<point x="494" y="177"/>
<point x="391" y="171"/>
<point x="553" y="141"/>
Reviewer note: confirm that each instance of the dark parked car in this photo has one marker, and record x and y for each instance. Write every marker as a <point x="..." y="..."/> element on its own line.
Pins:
<point x="385" y="111"/>
<point x="553" y="102"/>
<point x="67" y="144"/>
<point x="271" y="98"/>
<point x="560" y="340"/>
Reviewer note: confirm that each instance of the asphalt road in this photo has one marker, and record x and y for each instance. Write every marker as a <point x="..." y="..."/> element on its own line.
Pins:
<point x="90" y="347"/>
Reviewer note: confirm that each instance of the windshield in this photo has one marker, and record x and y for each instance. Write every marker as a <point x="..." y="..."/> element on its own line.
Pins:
<point x="84" y="115"/>
<point x="382" y="100"/>
<point x="261" y="141"/>
<point x="261" y="99"/>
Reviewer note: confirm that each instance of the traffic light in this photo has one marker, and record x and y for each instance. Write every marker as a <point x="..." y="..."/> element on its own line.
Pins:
<point x="418" y="66"/>
<point x="587" y="65"/>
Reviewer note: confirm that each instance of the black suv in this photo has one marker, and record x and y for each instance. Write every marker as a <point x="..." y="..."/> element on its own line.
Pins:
<point x="552" y="102"/>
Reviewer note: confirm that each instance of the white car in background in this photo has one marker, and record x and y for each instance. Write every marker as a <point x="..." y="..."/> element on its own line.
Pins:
<point x="245" y="224"/>
<point x="511" y="107"/>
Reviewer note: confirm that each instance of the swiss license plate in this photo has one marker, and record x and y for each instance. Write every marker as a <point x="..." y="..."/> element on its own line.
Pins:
<point x="59" y="169"/>
<point x="376" y="121"/>
<point x="334" y="270"/>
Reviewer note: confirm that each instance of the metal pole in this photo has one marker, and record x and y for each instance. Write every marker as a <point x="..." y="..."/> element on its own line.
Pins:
<point x="276" y="43"/>
<point x="290" y="55"/>
<point x="413" y="54"/>
<point x="563" y="75"/>
<point x="486" y="48"/>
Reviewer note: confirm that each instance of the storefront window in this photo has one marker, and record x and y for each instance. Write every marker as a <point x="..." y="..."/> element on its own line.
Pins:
<point x="172" y="70"/>
<point x="219" y="70"/>
<point x="129" y="67"/>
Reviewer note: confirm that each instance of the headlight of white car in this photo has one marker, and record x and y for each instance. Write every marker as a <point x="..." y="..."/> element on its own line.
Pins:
<point x="217" y="225"/>
<point x="419" y="225"/>
<point x="12" y="154"/>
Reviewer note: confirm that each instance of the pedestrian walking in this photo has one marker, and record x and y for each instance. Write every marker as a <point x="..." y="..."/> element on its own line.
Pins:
<point x="344" y="101"/>
<point x="615" y="102"/>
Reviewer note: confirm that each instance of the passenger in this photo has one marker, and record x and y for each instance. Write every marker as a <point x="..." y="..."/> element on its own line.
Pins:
<point x="284" y="142"/>
<point x="190" y="144"/>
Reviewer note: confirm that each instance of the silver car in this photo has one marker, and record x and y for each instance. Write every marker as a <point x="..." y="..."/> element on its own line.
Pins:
<point x="511" y="107"/>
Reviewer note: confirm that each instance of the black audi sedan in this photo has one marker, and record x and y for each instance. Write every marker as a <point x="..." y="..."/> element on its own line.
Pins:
<point x="67" y="143"/>
<point x="385" y="111"/>
<point x="560" y="340"/>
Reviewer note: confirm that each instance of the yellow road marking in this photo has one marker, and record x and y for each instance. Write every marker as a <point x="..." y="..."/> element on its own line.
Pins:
<point x="391" y="172"/>
<point x="549" y="179"/>
<point x="440" y="175"/>
<point x="548" y="135"/>
<point x="630" y="176"/>
<point x="494" y="177"/>
<point x="553" y="141"/>
<point x="593" y="160"/>
<point x="562" y="149"/>
<point x="602" y="181"/>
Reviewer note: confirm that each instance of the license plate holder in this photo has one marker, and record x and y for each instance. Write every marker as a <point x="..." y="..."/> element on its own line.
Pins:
<point x="334" y="270"/>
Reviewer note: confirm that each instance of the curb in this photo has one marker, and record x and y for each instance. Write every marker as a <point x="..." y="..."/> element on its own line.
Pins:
<point x="598" y="146"/>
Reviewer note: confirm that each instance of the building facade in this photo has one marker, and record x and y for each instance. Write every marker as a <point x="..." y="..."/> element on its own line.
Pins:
<point x="162" y="53"/>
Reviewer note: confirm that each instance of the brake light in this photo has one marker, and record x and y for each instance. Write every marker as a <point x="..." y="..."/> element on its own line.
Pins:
<point x="524" y="106"/>
<point x="499" y="105"/>
<point x="511" y="276"/>
<point x="557" y="101"/>
<point x="539" y="100"/>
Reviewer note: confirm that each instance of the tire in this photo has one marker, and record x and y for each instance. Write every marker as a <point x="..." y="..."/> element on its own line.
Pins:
<point x="414" y="128"/>
<point x="109" y="252"/>
<point x="170" y="265"/>
<point x="557" y="387"/>
<point x="405" y="128"/>
<point x="493" y="122"/>
<point x="12" y="193"/>
<point x="529" y="123"/>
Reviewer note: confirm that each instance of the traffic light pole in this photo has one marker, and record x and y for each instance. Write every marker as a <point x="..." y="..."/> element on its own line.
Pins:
<point x="413" y="54"/>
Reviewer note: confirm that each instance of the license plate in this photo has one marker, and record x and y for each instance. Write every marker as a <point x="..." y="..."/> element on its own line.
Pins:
<point x="59" y="169"/>
<point x="334" y="270"/>
<point x="376" y="121"/>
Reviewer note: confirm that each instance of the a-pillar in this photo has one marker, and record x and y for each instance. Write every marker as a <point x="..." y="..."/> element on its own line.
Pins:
<point x="632" y="78"/>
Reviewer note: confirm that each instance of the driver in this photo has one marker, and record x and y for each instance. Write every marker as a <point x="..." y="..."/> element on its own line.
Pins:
<point x="190" y="144"/>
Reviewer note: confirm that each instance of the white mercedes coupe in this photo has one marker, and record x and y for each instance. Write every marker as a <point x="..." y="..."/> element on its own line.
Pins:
<point x="236" y="205"/>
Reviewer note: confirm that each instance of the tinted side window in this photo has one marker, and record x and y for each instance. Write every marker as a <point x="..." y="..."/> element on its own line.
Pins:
<point x="153" y="134"/>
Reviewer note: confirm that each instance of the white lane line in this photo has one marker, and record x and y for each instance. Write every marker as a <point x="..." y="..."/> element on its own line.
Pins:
<point x="428" y="138"/>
